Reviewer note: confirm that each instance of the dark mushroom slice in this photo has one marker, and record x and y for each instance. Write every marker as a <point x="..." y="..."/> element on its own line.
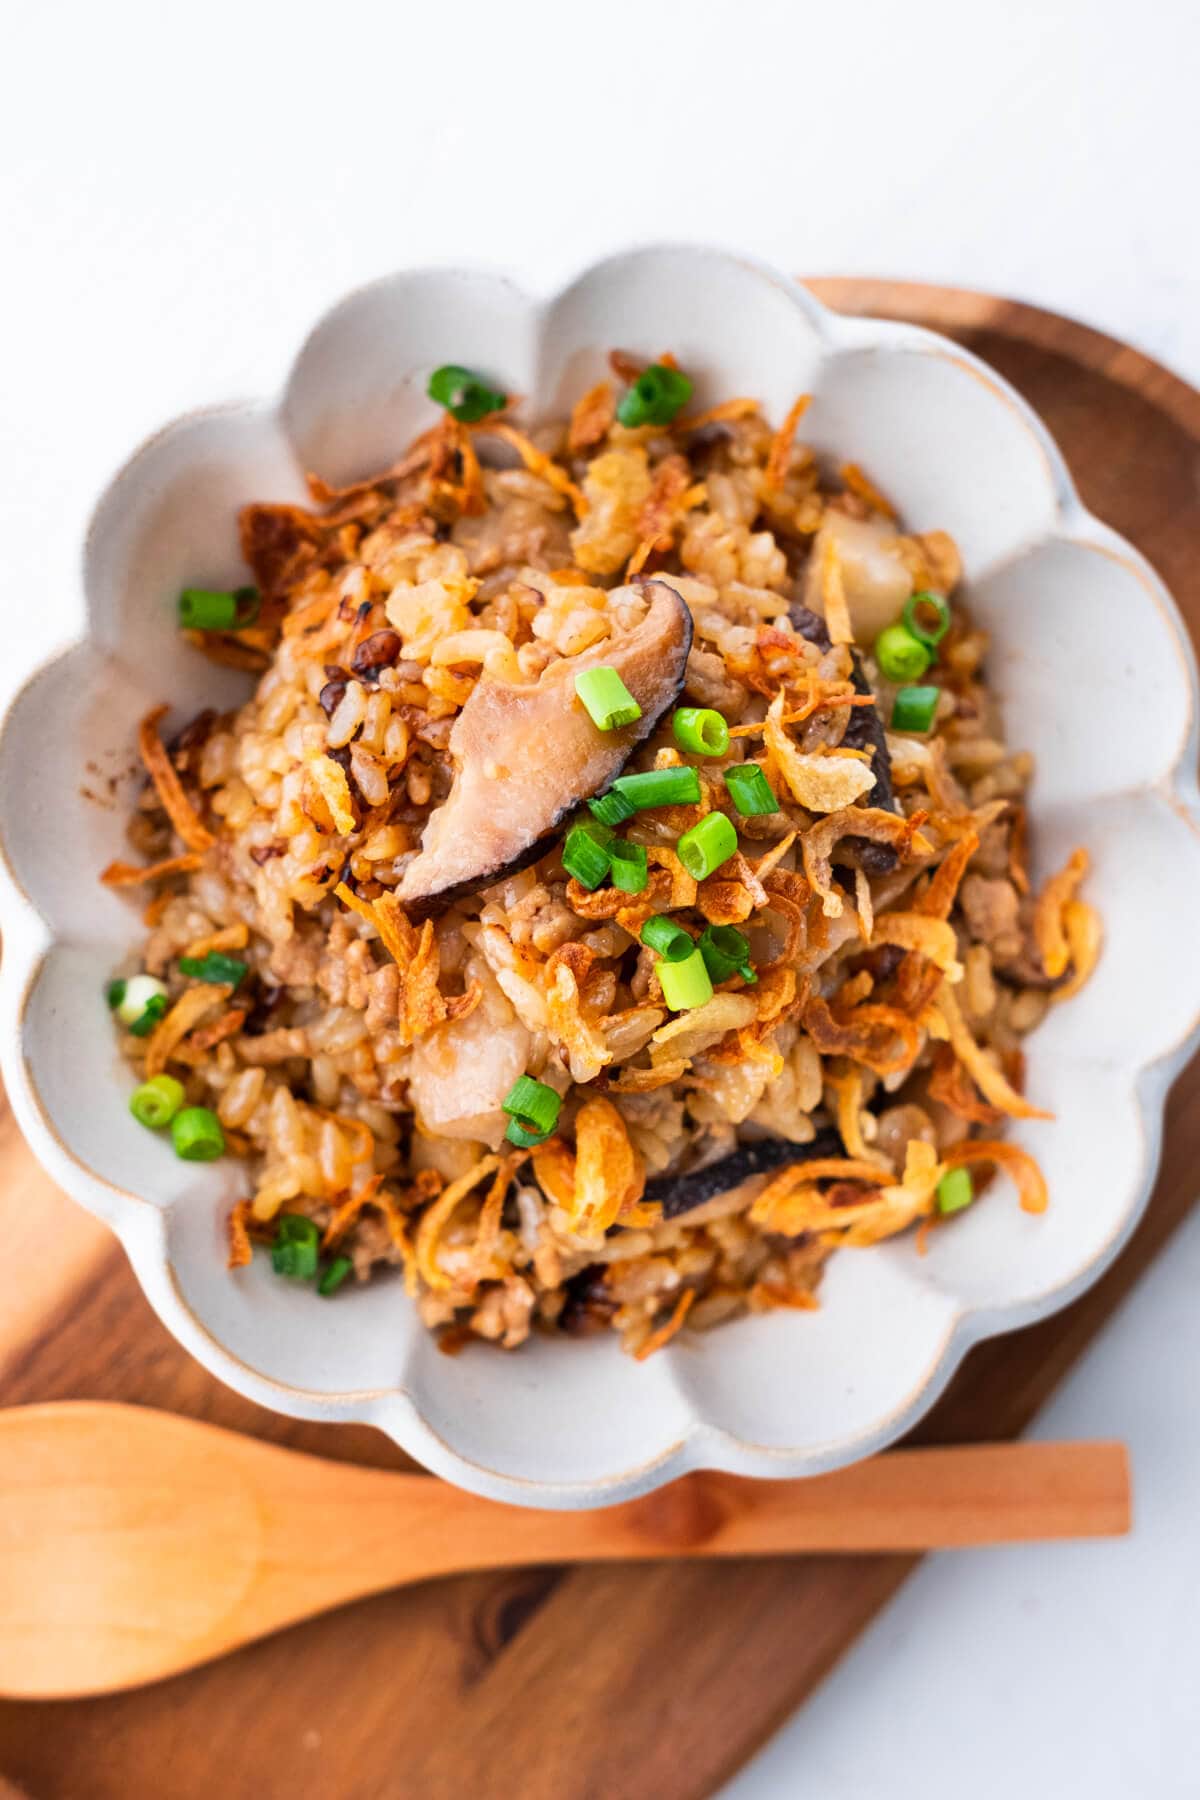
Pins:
<point x="864" y="731"/>
<point x="588" y="1305"/>
<point x="810" y="625"/>
<point x="681" y="1194"/>
<point x="527" y="754"/>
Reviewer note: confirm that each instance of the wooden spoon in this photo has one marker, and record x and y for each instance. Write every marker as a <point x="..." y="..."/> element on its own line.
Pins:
<point x="134" y="1543"/>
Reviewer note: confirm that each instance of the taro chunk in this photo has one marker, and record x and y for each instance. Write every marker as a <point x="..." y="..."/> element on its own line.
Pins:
<point x="875" y="576"/>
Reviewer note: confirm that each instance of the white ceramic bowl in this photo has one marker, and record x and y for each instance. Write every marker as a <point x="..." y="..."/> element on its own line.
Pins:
<point x="1096" y="675"/>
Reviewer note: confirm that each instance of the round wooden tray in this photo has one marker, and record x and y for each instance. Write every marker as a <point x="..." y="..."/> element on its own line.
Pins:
<point x="553" y="1684"/>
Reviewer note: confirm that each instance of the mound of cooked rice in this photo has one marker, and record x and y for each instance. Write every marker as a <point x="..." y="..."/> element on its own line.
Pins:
<point x="355" y="993"/>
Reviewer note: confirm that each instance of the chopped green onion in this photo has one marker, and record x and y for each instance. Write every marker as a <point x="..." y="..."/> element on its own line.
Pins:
<point x="700" y="730"/>
<point x="334" y="1276"/>
<point x="707" y="845"/>
<point x="608" y="700"/>
<point x="917" y="609"/>
<point x="628" y="863"/>
<point x="139" y="1003"/>
<point x="684" y="984"/>
<point x="532" y="1105"/>
<point x="196" y="1134"/>
<point x="154" y="1010"/>
<point x="156" y="1102"/>
<point x="464" y="396"/>
<point x="210" y="609"/>
<point x="671" y="941"/>
<point x="203" y="609"/>
<point x="660" y="787"/>
<point x="524" y="1140"/>
<point x="136" y="994"/>
<point x="655" y="397"/>
<point x="213" y="967"/>
<point x="914" y="708"/>
<point x="750" y="790"/>
<point x="585" y="853"/>
<point x="955" y="1191"/>
<point x="900" y="655"/>
<point x="296" y="1250"/>
<point x="726" y="952"/>
<point x="612" y="808"/>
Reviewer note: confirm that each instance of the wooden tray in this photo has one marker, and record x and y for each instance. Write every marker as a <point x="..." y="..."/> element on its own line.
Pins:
<point x="553" y="1684"/>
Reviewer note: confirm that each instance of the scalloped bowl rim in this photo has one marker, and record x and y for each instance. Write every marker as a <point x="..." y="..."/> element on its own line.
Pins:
<point x="141" y="1225"/>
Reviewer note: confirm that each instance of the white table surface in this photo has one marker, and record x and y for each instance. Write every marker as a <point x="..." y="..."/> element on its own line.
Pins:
<point x="183" y="188"/>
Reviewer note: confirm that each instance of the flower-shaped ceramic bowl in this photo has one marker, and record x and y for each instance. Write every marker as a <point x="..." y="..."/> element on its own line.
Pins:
<point x="1096" y="677"/>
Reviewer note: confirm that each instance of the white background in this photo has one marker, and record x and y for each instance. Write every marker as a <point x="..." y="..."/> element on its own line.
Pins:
<point x="183" y="188"/>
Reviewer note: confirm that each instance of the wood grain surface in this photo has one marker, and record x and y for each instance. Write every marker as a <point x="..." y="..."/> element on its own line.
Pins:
<point x="612" y="1683"/>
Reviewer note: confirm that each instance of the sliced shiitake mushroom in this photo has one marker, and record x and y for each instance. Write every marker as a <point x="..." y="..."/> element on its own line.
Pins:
<point x="681" y="1194"/>
<point x="526" y="754"/>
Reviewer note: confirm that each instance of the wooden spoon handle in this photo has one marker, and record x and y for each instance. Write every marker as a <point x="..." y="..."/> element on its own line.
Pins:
<point x="906" y="1500"/>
